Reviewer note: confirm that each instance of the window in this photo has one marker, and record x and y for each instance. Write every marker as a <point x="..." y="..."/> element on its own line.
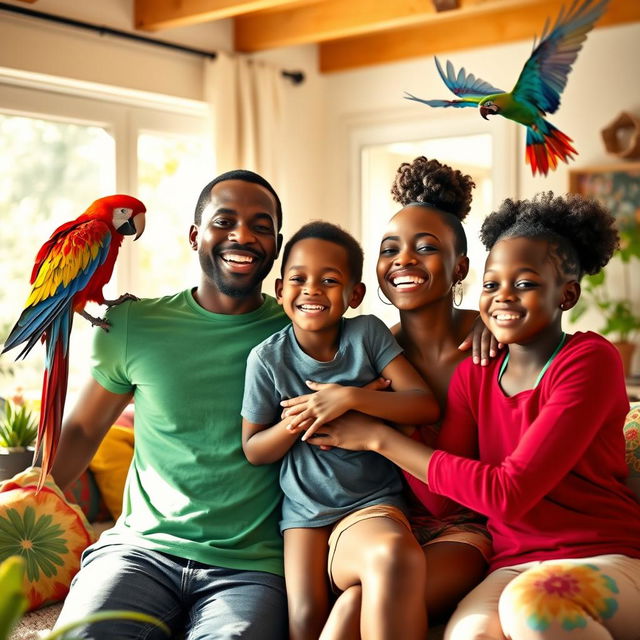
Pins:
<point x="58" y="153"/>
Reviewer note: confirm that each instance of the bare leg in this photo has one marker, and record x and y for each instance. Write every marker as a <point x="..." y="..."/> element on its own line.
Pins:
<point x="305" y="571"/>
<point x="382" y="555"/>
<point x="453" y="569"/>
<point x="344" y="618"/>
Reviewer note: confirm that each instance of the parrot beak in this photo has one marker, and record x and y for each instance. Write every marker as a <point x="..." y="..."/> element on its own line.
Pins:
<point x="489" y="111"/>
<point x="139" y="224"/>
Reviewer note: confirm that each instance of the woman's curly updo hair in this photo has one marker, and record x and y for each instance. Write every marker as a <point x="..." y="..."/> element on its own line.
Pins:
<point x="581" y="229"/>
<point x="433" y="184"/>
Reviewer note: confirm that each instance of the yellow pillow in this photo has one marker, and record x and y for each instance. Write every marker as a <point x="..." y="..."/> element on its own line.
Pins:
<point x="45" y="529"/>
<point x="111" y="464"/>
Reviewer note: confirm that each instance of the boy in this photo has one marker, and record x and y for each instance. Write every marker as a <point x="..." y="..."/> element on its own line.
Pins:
<point x="335" y="497"/>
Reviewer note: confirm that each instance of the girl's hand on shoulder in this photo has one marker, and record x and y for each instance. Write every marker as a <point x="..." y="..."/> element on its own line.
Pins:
<point x="315" y="409"/>
<point x="482" y="343"/>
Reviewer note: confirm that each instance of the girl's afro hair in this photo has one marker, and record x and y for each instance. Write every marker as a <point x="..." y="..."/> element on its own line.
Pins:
<point x="433" y="183"/>
<point x="583" y="224"/>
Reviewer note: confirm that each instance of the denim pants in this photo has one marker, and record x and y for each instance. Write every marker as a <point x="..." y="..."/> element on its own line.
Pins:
<point x="195" y="600"/>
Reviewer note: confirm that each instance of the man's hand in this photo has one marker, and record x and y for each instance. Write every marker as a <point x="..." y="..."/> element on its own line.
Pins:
<point x="482" y="343"/>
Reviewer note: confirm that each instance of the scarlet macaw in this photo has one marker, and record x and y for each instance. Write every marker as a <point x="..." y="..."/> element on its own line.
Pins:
<point x="70" y="269"/>
<point x="537" y="91"/>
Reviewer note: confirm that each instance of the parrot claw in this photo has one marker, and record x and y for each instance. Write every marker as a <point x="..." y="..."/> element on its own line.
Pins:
<point x="95" y="322"/>
<point x="123" y="298"/>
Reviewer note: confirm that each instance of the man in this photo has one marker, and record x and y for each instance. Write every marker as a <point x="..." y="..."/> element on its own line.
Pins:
<point x="197" y="544"/>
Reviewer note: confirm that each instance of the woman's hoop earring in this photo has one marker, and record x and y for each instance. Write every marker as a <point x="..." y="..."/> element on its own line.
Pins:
<point x="382" y="298"/>
<point x="458" y="293"/>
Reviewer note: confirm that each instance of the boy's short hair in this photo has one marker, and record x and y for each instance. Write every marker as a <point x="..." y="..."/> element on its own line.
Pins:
<point x="331" y="233"/>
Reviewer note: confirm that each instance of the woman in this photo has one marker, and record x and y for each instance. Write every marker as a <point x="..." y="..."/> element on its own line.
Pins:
<point x="421" y="265"/>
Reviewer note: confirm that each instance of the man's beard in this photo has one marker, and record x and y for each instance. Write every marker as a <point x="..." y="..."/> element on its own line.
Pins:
<point x="227" y="284"/>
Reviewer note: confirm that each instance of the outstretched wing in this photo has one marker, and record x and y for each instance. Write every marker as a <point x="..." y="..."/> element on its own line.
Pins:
<point x="64" y="266"/>
<point x="545" y="73"/>
<point x="467" y="87"/>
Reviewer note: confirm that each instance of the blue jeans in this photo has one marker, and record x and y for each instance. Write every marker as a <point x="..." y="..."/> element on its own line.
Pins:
<point x="194" y="599"/>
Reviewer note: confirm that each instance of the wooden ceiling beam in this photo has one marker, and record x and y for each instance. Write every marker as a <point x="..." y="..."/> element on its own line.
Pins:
<point x="153" y="15"/>
<point x="469" y="29"/>
<point x="333" y="19"/>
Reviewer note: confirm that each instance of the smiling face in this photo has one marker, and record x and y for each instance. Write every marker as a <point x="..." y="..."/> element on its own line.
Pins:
<point x="523" y="290"/>
<point x="418" y="261"/>
<point x="317" y="286"/>
<point x="237" y="240"/>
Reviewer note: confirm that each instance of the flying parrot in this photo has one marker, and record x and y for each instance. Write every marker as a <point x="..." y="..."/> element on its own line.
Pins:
<point x="70" y="270"/>
<point x="537" y="91"/>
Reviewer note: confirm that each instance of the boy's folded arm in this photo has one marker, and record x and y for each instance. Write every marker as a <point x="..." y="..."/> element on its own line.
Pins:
<point x="263" y="444"/>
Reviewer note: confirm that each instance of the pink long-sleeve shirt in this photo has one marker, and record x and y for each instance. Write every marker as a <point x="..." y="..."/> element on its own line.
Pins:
<point x="545" y="465"/>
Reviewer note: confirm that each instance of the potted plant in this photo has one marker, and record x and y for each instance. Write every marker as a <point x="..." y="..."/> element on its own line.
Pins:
<point x="18" y="431"/>
<point x="621" y="323"/>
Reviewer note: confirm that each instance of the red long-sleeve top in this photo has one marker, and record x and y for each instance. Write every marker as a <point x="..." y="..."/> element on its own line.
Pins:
<point x="546" y="466"/>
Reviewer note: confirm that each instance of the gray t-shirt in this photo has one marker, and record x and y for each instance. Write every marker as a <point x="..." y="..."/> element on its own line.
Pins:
<point x="321" y="487"/>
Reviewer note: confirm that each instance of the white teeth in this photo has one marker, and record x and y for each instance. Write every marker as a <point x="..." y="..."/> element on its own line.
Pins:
<point x="312" y="307"/>
<point x="399" y="281"/>
<point x="506" y="316"/>
<point x="232" y="257"/>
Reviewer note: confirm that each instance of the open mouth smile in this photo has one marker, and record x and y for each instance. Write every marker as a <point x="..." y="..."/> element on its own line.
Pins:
<point x="239" y="262"/>
<point x="506" y="317"/>
<point x="406" y="281"/>
<point x="311" y="308"/>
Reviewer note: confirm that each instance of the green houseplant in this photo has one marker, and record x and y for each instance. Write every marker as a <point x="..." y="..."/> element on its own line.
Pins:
<point x="620" y="321"/>
<point x="18" y="431"/>
<point x="14" y="603"/>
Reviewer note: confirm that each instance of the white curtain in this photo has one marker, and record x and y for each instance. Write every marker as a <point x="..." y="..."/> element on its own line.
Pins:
<point x="246" y="102"/>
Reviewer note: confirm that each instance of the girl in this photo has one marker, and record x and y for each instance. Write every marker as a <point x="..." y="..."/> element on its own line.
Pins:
<point x="534" y="440"/>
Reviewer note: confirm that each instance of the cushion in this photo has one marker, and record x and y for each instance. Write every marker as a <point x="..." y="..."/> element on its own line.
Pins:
<point x="632" y="445"/>
<point x="111" y="462"/>
<point x="49" y="532"/>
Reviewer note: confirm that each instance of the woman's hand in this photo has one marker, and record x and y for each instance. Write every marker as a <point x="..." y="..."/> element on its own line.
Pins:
<point x="482" y="343"/>
<point x="354" y="431"/>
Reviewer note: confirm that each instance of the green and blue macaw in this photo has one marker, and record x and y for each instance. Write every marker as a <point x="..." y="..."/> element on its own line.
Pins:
<point x="537" y="91"/>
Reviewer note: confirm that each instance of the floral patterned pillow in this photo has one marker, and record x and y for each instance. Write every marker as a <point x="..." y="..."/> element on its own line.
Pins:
<point x="45" y="529"/>
<point x="632" y="443"/>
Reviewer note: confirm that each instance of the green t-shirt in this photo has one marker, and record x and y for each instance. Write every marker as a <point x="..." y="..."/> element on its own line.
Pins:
<point x="190" y="490"/>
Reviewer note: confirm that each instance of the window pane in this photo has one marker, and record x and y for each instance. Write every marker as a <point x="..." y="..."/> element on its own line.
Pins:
<point x="172" y="169"/>
<point x="49" y="173"/>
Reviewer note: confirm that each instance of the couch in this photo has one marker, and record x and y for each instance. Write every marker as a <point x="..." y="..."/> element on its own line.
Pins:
<point x="109" y="468"/>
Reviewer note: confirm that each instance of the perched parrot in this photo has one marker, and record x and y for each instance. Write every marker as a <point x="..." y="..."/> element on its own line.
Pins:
<point x="537" y="91"/>
<point x="70" y="270"/>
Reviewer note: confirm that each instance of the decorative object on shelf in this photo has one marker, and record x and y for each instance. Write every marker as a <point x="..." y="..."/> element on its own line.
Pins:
<point x="622" y="136"/>
<point x="618" y="188"/>
<point x="18" y="430"/>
